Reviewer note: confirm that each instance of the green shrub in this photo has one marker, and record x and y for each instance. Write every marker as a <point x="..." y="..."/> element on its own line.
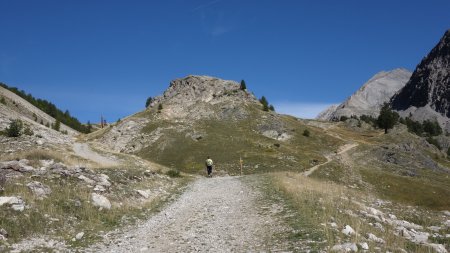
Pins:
<point x="368" y="119"/>
<point x="306" y="133"/>
<point x="3" y="101"/>
<point x="173" y="173"/>
<point x="432" y="128"/>
<point x="414" y="126"/>
<point x="343" y="118"/>
<point x="57" y="125"/>
<point x="28" y="131"/>
<point x="15" y="128"/>
<point x="434" y="142"/>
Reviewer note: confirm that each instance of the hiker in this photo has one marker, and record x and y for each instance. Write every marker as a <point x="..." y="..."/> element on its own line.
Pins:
<point x="209" y="165"/>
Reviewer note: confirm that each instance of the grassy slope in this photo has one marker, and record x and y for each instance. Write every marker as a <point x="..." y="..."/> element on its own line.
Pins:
<point x="227" y="141"/>
<point x="428" y="188"/>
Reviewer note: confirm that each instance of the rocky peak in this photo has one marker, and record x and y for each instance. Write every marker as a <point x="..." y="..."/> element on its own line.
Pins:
<point x="429" y="86"/>
<point x="371" y="96"/>
<point x="199" y="89"/>
<point x="200" y="97"/>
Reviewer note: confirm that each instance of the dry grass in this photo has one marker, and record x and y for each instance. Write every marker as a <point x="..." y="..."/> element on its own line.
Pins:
<point x="319" y="203"/>
<point x="36" y="155"/>
<point x="68" y="210"/>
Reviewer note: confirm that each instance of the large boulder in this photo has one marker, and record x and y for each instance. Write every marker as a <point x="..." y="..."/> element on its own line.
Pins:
<point x="39" y="189"/>
<point x="16" y="203"/>
<point x="100" y="201"/>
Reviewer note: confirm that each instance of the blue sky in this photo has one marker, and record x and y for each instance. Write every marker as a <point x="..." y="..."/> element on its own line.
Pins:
<point x="106" y="57"/>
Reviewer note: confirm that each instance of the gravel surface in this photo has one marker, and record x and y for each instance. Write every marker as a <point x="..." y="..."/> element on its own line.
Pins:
<point x="343" y="149"/>
<point x="83" y="150"/>
<point x="222" y="214"/>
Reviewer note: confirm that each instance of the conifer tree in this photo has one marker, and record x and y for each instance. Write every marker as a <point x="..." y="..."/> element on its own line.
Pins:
<point x="265" y="103"/>
<point x="387" y="118"/>
<point x="243" y="85"/>
<point x="15" y="128"/>
<point x="148" y="102"/>
<point x="57" y="125"/>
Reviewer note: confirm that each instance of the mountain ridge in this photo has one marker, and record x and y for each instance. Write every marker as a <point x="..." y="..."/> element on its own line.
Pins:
<point x="369" y="98"/>
<point x="427" y="93"/>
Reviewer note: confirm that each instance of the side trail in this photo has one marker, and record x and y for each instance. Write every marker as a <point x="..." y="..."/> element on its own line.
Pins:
<point x="343" y="149"/>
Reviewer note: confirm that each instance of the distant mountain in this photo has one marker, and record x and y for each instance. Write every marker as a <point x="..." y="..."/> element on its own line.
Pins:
<point x="427" y="94"/>
<point x="370" y="97"/>
<point x="327" y="113"/>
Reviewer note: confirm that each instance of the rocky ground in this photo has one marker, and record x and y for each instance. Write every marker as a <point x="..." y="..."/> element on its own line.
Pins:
<point x="220" y="214"/>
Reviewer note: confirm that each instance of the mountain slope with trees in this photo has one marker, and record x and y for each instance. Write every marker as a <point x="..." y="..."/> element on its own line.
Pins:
<point x="50" y="109"/>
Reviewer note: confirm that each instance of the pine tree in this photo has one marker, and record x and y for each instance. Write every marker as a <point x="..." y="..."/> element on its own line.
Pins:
<point x="160" y="107"/>
<point x="15" y="128"/>
<point x="243" y="85"/>
<point x="265" y="103"/>
<point x="57" y="125"/>
<point x="148" y="102"/>
<point x="306" y="133"/>
<point x="387" y="118"/>
<point x="89" y="127"/>
<point x="432" y="128"/>
<point x="272" y="108"/>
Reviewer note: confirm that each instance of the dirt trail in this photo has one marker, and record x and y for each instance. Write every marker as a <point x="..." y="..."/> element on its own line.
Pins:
<point x="83" y="150"/>
<point x="213" y="215"/>
<point x="343" y="149"/>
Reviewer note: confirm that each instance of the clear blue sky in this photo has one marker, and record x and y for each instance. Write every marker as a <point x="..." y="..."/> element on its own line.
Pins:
<point x="106" y="57"/>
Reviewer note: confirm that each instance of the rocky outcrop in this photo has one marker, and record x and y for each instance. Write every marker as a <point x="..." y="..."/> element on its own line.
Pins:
<point x="16" y="203"/>
<point x="100" y="201"/>
<point x="39" y="189"/>
<point x="186" y="101"/>
<point x="370" y="97"/>
<point x="192" y="97"/>
<point x="427" y="93"/>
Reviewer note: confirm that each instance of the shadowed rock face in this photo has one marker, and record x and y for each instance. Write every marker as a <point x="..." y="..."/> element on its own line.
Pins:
<point x="430" y="83"/>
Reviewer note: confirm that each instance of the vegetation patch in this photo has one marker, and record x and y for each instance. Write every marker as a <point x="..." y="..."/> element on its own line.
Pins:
<point x="420" y="191"/>
<point x="325" y="209"/>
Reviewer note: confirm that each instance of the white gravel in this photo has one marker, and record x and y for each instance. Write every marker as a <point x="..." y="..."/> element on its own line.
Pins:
<point x="214" y="215"/>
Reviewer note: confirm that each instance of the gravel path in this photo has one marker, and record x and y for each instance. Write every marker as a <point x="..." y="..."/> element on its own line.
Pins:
<point x="222" y="214"/>
<point x="83" y="150"/>
<point x="343" y="149"/>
